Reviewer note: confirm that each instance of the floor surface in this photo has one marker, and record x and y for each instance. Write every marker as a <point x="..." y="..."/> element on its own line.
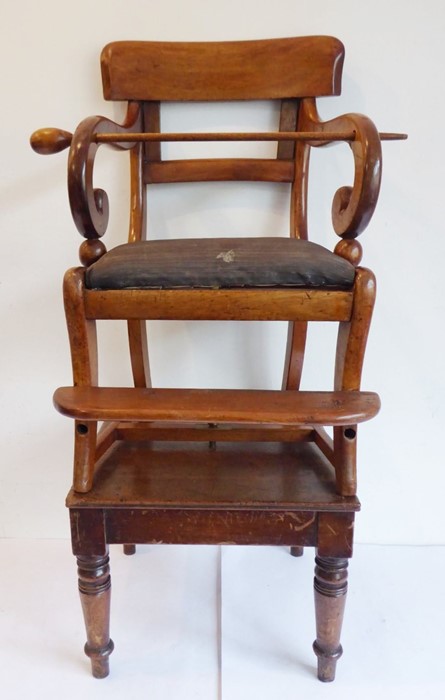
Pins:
<point x="222" y="623"/>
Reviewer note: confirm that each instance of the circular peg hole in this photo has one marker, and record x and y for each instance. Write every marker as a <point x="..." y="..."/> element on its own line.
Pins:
<point x="82" y="429"/>
<point x="350" y="433"/>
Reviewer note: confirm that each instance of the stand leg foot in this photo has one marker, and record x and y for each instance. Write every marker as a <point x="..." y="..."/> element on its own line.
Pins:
<point x="129" y="549"/>
<point x="297" y="551"/>
<point x="95" y="593"/>
<point x="330" y="588"/>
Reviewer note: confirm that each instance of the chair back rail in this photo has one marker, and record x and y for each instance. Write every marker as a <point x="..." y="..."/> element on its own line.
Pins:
<point x="230" y="70"/>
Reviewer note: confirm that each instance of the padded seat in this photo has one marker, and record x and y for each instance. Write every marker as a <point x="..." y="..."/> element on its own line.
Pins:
<point x="220" y="263"/>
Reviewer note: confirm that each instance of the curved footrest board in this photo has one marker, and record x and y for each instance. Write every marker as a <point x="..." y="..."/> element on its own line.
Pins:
<point x="217" y="405"/>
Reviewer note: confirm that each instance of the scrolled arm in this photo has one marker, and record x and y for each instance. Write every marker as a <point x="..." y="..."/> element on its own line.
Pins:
<point x="352" y="207"/>
<point x="89" y="206"/>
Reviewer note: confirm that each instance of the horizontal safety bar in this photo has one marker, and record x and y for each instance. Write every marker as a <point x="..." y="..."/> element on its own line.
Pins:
<point x="240" y="136"/>
<point x="52" y="140"/>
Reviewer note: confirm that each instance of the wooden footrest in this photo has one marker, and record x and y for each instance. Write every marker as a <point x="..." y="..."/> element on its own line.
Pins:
<point x="217" y="405"/>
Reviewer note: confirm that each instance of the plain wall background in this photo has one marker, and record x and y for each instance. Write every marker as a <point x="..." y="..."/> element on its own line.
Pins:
<point x="51" y="77"/>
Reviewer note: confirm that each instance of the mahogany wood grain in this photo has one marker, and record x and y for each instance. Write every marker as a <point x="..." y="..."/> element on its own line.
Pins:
<point x="151" y="114"/>
<point x="353" y="334"/>
<point x="352" y="207"/>
<point x="85" y="454"/>
<point x="271" y="304"/>
<point x="336" y="532"/>
<point x="49" y="141"/>
<point x="350" y="250"/>
<point x="247" y="476"/>
<point x="202" y="432"/>
<point x="330" y="588"/>
<point x="81" y="330"/>
<point x="83" y="343"/>
<point x="89" y="206"/>
<point x="137" y="330"/>
<point x="261" y="497"/>
<point x="345" y="459"/>
<point x="297" y="330"/>
<point x="324" y="442"/>
<point x="288" y="122"/>
<point x="88" y="536"/>
<point x="94" y="590"/>
<point x="217" y="466"/>
<point x="219" y="169"/>
<point x="90" y="251"/>
<point x="194" y="137"/>
<point x="138" y="199"/>
<point x="217" y="405"/>
<point x="106" y="437"/>
<point x="178" y="526"/>
<point x="232" y="70"/>
<point x="138" y="344"/>
<point x="294" y="357"/>
<point x="350" y="354"/>
<point x="299" y="192"/>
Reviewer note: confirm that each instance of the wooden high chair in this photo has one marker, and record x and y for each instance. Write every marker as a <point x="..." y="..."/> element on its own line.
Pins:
<point x="217" y="466"/>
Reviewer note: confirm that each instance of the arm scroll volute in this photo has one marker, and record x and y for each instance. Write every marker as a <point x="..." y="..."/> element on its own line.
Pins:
<point x="89" y="205"/>
<point x="353" y="207"/>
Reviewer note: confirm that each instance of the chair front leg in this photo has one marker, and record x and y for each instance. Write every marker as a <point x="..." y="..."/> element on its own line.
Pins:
<point x="330" y="588"/>
<point x="95" y="594"/>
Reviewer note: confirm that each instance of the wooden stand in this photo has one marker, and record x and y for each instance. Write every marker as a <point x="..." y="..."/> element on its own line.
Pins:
<point x="259" y="493"/>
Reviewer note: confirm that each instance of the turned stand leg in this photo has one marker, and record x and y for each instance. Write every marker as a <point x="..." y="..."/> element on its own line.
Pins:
<point x="330" y="587"/>
<point x="95" y="593"/>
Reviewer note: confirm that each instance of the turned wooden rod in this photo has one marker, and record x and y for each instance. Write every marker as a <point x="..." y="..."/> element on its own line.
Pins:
<point x="241" y="136"/>
<point x="50" y="140"/>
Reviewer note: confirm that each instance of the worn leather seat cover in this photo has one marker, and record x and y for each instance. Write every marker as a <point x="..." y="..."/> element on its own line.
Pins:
<point x="220" y="263"/>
